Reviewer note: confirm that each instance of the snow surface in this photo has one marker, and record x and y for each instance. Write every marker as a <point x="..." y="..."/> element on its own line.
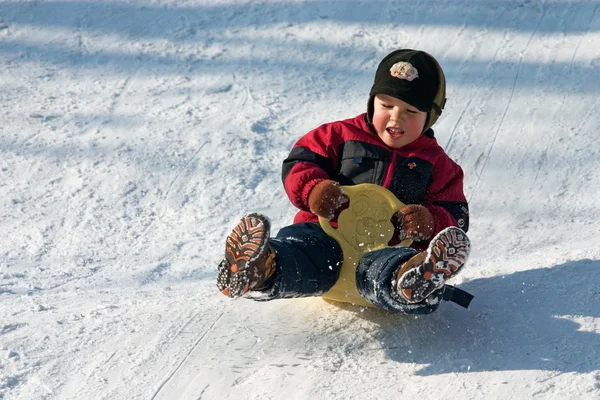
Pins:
<point x="133" y="135"/>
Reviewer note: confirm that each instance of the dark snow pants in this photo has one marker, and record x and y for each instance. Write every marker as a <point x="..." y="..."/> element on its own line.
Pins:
<point x="309" y="262"/>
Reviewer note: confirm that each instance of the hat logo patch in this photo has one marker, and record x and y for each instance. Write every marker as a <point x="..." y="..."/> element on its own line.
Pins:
<point x="404" y="70"/>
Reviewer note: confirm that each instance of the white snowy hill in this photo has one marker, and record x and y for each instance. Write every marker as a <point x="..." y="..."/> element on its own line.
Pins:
<point x="133" y="134"/>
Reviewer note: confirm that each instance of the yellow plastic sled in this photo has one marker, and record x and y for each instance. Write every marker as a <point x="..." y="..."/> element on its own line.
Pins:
<point x="363" y="227"/>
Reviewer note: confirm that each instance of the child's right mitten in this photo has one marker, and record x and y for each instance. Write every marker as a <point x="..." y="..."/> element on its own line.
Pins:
<point x="327" y="199"/>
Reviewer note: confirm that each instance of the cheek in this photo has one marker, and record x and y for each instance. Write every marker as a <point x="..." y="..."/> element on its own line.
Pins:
<point x="417" y="124"/>
<point x="380" y="121"/>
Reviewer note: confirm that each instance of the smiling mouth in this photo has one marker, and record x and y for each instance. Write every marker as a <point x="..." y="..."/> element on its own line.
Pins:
<point x="395" y="132"/>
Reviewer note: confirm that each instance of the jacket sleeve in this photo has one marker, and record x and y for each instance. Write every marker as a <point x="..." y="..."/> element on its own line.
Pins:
<point x="313" y="159"/>
<point x="445" y="198"/>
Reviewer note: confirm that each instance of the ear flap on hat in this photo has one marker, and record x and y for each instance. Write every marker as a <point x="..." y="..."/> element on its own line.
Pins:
<point x="440" y="97"/>
<point x="370" y="109"/>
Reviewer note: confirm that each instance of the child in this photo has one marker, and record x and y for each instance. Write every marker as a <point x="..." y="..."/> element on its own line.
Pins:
<point x="392" y="145"/>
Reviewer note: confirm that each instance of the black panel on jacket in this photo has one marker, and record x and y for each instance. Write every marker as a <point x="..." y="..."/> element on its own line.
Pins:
<point x="368" y="163"/>
<point x="300" y="154"/>
<point x="362" y="163"/>
<point x="410" y="179"/>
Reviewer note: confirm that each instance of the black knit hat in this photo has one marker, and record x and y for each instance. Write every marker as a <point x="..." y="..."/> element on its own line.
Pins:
<point x="414" y="77"/>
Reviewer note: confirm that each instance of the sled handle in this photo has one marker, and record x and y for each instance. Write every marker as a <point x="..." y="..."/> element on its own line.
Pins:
<point x="366" y="224"/>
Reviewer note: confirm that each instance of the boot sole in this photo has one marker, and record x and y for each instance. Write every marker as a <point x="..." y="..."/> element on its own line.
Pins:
<point x="447" y="254"/>
<point x="246" y="243"/>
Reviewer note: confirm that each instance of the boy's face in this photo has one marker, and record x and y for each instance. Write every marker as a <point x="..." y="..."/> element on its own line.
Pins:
<point x="397" y="123"/>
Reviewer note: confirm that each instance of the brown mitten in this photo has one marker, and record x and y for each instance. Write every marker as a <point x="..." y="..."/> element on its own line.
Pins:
<point x="327" y="198"/>
<point x="414" y="222"/>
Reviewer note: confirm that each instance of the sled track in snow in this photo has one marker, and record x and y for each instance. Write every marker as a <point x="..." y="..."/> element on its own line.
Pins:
<point x="187" y="355"/>
<point x="462" y="114"/>
<point x="512" y="93"/>
<point x="562" y="103"/>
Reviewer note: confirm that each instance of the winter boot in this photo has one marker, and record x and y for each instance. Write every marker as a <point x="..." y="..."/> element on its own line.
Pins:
<point x="249" y="259"/>
<point x="427" y="271"/>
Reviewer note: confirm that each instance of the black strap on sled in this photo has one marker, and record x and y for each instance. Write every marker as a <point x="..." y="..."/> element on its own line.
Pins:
<point x="457" y="296"/>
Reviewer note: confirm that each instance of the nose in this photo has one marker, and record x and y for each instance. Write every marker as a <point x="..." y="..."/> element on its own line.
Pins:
<point x="396" y="115"/>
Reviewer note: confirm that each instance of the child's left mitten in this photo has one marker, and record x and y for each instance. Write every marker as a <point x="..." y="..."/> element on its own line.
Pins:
<point x="415" y="222"/>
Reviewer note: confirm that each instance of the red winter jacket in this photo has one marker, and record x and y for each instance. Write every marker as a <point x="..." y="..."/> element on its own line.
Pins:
<point x="351" y="153"/>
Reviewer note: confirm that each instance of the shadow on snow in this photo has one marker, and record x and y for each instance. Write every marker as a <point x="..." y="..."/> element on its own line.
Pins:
<point x="132" y="19"/>
<point x="520" y="321"/>
<point x="202" y="26"/>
